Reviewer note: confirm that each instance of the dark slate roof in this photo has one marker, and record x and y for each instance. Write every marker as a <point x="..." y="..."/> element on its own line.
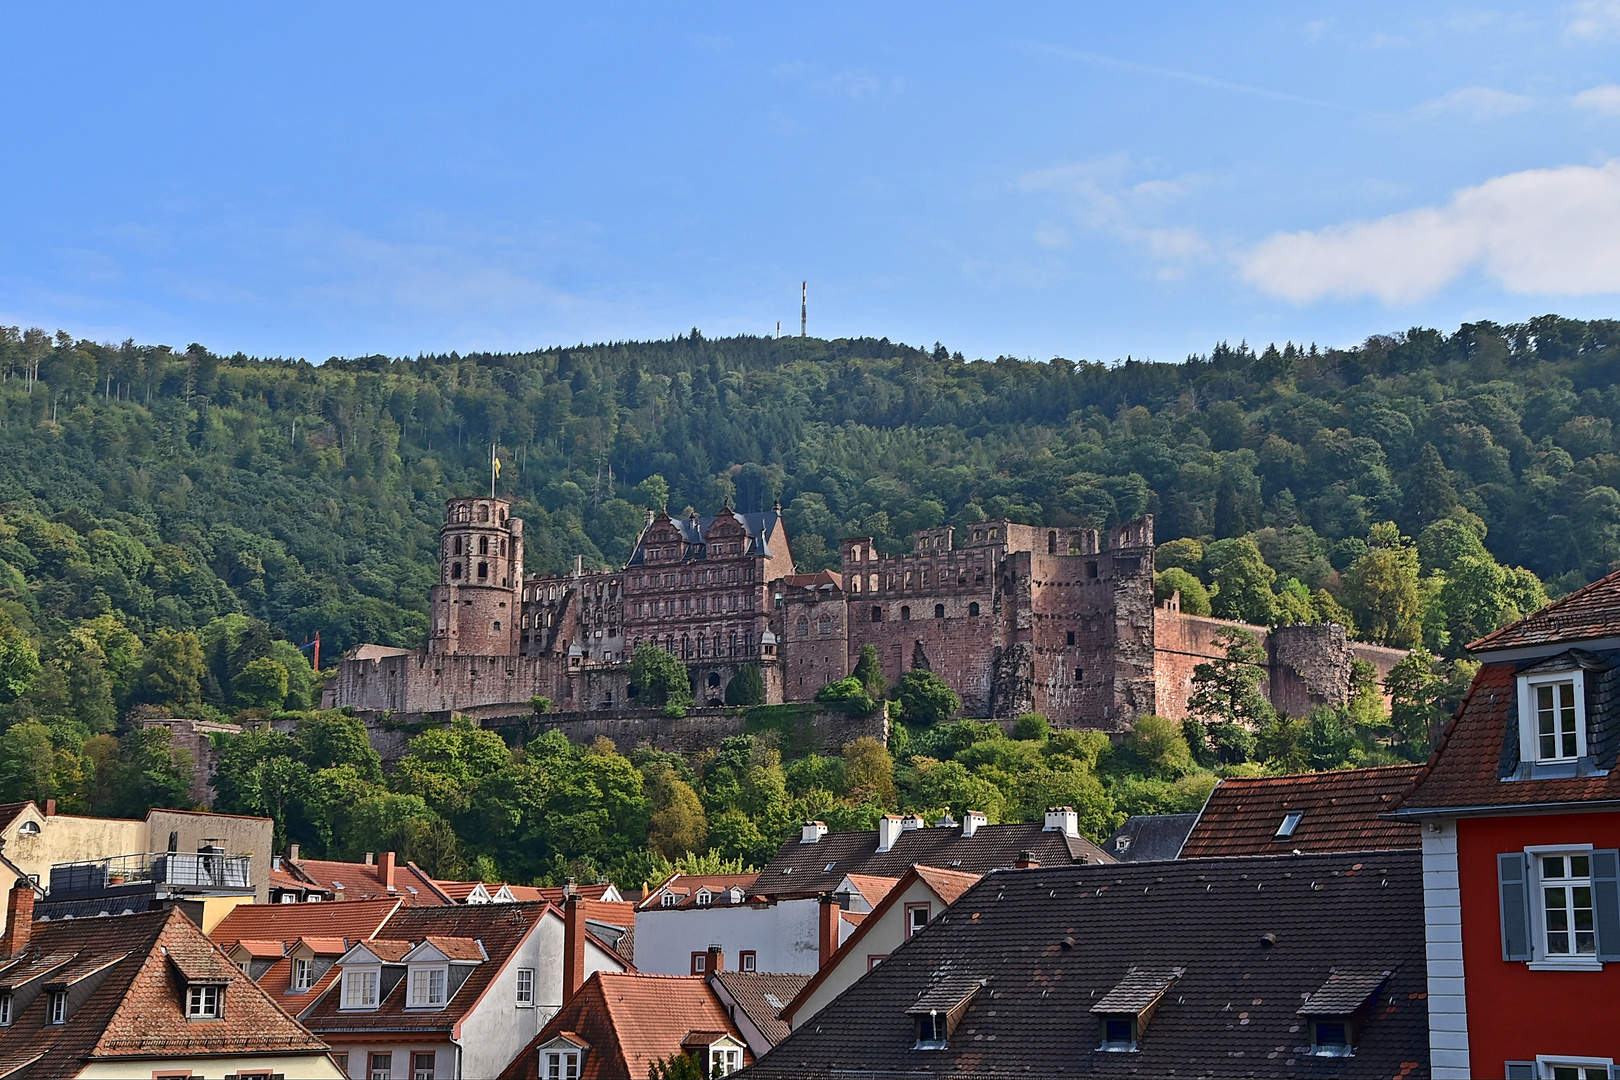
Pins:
<point x="763" y="996"/>
<point x="1340" y="811"/>
<point x="1475" y="764"/>
<point x="760" y="527"/>
<point x="1052" y="941"/>
<point x="1150" y="836"/>
<point x="1585" y="614"/>
<point x="820" y="867"/>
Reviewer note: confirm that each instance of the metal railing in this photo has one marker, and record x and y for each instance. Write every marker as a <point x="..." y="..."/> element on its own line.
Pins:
<point x="176" y="869"/>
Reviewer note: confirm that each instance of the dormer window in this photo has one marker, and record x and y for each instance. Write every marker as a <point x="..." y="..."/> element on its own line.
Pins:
<point x="5" y="1010"/>
<point x="303" y="974"/>
<point x="1330" y="1037"/>
<point x="931" y="1031"/>
<point x="1119" y="1033"/>
<point x="360" y="988"/>
<point x="203" y="1001"/>
<point x="1552" y="717"/>
<point x="1335" y="1012"/>
<point x="561" y="1065"/>
<point x="703" y="898"/>
<point x="669" y="899"/>
<point x="57" y="1007"/>
<point x="724" y="1059"/>
<point x="1125" y="1011"/>
<point x="428" y="987"/>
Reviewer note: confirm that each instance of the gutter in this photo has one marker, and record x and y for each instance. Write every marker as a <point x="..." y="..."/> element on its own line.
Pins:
<point x="1484" y="809"/>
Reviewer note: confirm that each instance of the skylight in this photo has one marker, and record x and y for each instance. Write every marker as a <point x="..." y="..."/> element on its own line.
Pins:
<point x="1289" y="824"/>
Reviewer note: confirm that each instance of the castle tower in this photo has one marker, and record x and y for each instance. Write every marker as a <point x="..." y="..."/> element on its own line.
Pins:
<point x="475" y="606"/>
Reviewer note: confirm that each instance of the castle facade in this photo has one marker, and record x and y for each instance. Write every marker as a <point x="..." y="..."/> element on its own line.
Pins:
<point x="1017" y="618"/>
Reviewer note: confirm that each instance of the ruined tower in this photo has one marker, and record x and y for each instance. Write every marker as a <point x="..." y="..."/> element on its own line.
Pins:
<point x="475" y="606"/>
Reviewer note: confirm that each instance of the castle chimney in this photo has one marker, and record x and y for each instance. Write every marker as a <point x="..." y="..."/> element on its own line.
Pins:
<point x="385" y="869"/>
<point x="19" y="918"/>
<point x="573" y="945"/>
<point x="717" y="961"/>
<point x="827" y="939"/>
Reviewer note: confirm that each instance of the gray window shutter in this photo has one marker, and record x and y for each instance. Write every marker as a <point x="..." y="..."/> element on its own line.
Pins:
<point x="1606" y="902"/>
<point x="1521" y="1070"/>
<point x="1510" y="877"/>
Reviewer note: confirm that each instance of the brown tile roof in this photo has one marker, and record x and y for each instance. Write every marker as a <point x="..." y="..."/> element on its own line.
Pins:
<point x="456" y="948"/>
<point x="354" y="920"/>
<point x="258" y="948"/>
<point x="1585" y="614"/>
<point x="686" y="886"/>
<point x="133" y="1005"/>
<point x="359" y="881"/>
<point x="762" y="996"/>
<point x="1052" y="941"/>
<point x="948" y="885"/>
<point x="629" y="1020"/>
<point x="499" y="928"/>
<point x="554" y="893"/>
<point x="1481" y="746"/>
<point x="819" y="867"/>
<point x="10" y="810"/>
<point x="1340" y="811"/>
<point x="872" y="887"/>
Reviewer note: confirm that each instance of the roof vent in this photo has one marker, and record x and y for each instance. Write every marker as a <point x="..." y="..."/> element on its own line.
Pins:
<point x="1268" y="941"/>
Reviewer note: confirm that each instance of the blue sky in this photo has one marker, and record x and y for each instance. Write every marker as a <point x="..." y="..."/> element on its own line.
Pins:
<point x="1084" y="180"/>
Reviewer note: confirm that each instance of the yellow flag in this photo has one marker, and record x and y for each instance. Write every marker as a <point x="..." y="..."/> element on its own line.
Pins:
<point x="497" y="466"/>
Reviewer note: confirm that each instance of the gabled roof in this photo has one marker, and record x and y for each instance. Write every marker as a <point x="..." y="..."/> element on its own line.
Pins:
<point x="800" y="868"/>
<point x="132" y="1006"/>
<point x="762" y="996"/>
<point x="629" y="1021"/>
<point x="9" y="812"/>
<point x="1478" y="752"/>
<point x="760" y="528"/>
<point x="1587" y="614"/>
<point x="1339" y="811"/>
<point x="872" y="887"/>
<point x="498" y="928"/>
<point x="947" y="885"/>
<point x="1145" y="837"/>
<point x="1051" y="942"/>
<point x="354" y="920"/>
<point x="360" y="881"/>
<point x="686" y="887"/>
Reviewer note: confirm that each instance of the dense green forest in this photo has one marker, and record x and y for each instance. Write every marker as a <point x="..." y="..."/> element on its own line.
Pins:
<point x="175" y="525"/>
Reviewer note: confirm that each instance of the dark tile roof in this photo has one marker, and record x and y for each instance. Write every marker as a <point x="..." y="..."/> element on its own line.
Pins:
<point x="1051" y="942"/>
<point x="763" y="996"/>
<point x="990" y="848"/>
<point x="1473" y="764"/>
<point x="1149" y="836"/>
<point x="132" y="1005"/>
<point x="498" y="928"/>
<point x="760" y="527"/>
<point x="1340" y="811"/>
<point x="10" y="810"/>
<point x="1585" y="614"/>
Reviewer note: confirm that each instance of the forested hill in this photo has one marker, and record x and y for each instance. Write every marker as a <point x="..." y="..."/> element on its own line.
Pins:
<point x="170" y="488"/>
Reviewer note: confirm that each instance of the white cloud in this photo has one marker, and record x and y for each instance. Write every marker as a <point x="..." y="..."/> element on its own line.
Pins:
<point x="1101" y="198"/>
<point x="1599" y="99"/>
<point x="1477" y="103"/>
<point x="1538" y="232"/>
<point x="1593" y="19"/>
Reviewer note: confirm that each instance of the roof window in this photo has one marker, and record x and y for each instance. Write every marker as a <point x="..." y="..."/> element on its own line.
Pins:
<point x="940" y="1008"/>
<point x="1337" y="1009"/>
<point x="1290" y="822"/>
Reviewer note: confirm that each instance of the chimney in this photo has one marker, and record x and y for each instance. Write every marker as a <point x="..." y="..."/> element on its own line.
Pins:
<point x="1026" y="861"/>
<point x="972" y="822"/>
<point x="717" y="961"/>
<point x="50" y="807"/>
<point x="888" y="831"/>
<point x="292" y="852"/>
<point x="911" y="821"/>
<point x="573" y="945"/>
<point x="371" y="859"/>
<point x="19" y="918"/>
<point x="385" y="869"/>
<point x="1062" y="819"/>
<point x="813" y="831"/>
<point x="831" y="916"/>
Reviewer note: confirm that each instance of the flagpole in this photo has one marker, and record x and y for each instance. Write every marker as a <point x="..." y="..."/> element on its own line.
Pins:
<point x="492" y="472"/>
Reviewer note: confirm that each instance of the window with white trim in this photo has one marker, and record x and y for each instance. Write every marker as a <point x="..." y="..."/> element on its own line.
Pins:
<point x="525" y="987"/>
<point x="427" y="986"/>
<point x="1552" y="717"/>
<point x="1560" y="906"/>
<point x="917" y="916"/>
<point x="360" y="988"/>
<point x="203" y="1001"/>
<point x="382" y="1066"/>
<point x="5" y="1010"/>
<point x="58" y="1007"/>
<point x="747" y="960"/>
<point x="423" y="1065"/>
<point x="669" y="899"/>
<point x="303" y="974"/>
<point x="1567" y="919"/>
<point x="1559" y="1067"/>
<point x="561" y="1065"/>
<point x="724" y="1060"/>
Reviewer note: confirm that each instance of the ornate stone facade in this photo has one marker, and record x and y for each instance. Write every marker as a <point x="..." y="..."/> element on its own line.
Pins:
<point x="1017" y="618"/>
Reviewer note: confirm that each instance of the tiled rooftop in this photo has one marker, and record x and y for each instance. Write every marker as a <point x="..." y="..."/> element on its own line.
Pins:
<point x="1584" y="615"/>
<point x="1145" y="837"/>
<point x="1337" y="811"/>
<point x="763" y="996"/>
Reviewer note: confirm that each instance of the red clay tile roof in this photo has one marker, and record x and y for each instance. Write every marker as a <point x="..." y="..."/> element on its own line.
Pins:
<point x="325" y="946"/>
<point x="872" y="887"/>
<point x="500" y="928"/>
<point x="134" y="1006"/>
<point x="686" y="886"/>
<point x="1585" y="614"/>
<point x="947" y="884"/>
<point x="629" y="1020"/>
<point x="259" y="948"/>
<point x="1340" y="812"/>
<point x="1464" y="771"/>
<point x="354" y="920"/>
<point x="554" y="893"/>
<point x="456" y="948"/>
<point x="359" y="881"/>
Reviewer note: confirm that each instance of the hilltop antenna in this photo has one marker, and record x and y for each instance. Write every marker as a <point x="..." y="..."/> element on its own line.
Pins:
<point x="804" y="306"/>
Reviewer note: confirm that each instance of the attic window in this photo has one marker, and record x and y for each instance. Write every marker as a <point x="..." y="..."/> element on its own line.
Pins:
<point x="829" y="866"/>
<point x="1124" y="1012"/>
<point x="203" y="1001"/>
<point x="940" y="1008"/>
<point x="1290" y="822"/>
<point x="1552" y="716"/>
<point x="1338" y="1007"/>
<point x="669" y="899"/>
<point x="704" y="898"/>
<point x="28" y="828"/>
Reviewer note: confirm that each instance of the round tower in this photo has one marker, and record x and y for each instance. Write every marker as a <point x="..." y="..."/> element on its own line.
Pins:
<point x="475" y="606"/>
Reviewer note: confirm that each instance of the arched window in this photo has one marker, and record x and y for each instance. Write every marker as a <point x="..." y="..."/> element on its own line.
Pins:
<point x="483" y="571"/>
<point x="503" y="545"/>
<point x="703" y="646"/>
<point x="802" y="627"/>
<point x="714" y="678"/>
<point x="939" y="611"/>
<point x="497" y="624"/>
<point x="973" y="608"/>
<point x="455" y="546"/>
<point x="1051" y="543"/>
<point x="483" y="545"/>
<point x="455" y="571"/>
<point x="669" y="644"/>
<point x="483" y="512"/>
<point x="731" y="644"/>
<point x="905" y="613"/>
<point x="525" y="622"/>
<point x="877" y="613"/>
<point x="717" y="644"/>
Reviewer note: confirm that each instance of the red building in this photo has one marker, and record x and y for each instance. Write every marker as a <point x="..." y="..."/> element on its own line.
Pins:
<point x="1520" y="838"/>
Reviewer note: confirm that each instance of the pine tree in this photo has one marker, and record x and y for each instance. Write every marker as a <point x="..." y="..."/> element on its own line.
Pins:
<point x="1430" y="495"/>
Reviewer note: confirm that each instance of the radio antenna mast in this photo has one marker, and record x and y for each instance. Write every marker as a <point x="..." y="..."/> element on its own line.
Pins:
<point x="804" y="307"/>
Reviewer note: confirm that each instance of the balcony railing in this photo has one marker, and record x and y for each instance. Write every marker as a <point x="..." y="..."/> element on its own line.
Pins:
<point x="179" y="870"/>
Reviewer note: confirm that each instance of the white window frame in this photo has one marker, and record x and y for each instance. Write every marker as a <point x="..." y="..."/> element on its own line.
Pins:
<point x="303" y="974"/>
<point x="1545" y="1063"/>
<point x="525" y="988"/>
<point x="703" y="898"/>
<point x="359" y="977"/>
<point x="421" y="986"/>
<point x="924" y="906"/>
<point x="1545" y="960"/>
<point x="57" y="1004"/>
<point x="1529" y="733"/>
<point x="669" y="899"/>
<point x="205" y="1001"/>
<point x="418" y="1073"/>
<point x="560" y="1065"/>
<point x="724" y="1060"/>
